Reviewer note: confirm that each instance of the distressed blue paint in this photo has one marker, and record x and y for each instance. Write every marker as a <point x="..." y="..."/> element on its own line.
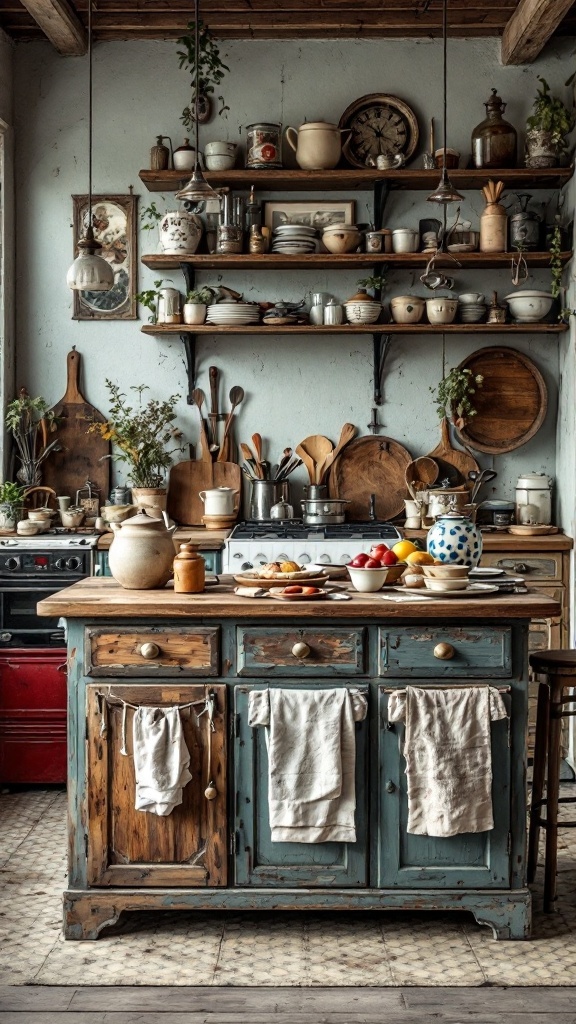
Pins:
<point x="480" y="652"/>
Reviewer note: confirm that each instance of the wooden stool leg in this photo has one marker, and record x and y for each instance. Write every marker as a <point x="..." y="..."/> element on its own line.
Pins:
<point x="552" y="794"/>
<point x="538" y="776"/>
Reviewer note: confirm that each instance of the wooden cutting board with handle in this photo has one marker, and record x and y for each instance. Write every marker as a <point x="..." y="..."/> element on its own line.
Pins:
<point x="187" y="479"/>
<point x="371" y="465"/>
<point x="452" y="463"/>
<point x="83" y="455"/>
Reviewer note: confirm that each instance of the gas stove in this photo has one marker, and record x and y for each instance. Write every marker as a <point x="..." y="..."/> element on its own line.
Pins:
<point x="56" y="554"/>
<point x="254" y="543"/>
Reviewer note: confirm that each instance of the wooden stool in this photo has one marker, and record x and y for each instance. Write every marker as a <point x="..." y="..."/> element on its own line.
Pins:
<point x="559" y="667"/>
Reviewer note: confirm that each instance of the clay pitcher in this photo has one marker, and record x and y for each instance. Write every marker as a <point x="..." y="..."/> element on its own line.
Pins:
<point x="141" y="553"/>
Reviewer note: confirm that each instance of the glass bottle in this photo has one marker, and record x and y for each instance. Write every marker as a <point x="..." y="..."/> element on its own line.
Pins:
<point x="253" y="211"/>
<point x="494" y="140"/>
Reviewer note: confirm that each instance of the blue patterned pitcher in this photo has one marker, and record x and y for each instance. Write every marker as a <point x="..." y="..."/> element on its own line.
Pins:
<point x="455" y="539"/>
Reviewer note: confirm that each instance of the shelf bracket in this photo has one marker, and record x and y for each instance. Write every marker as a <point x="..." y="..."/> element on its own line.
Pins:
<point x="189" y="341"/>
<point x="381" y="345"/>
<point x="381" y="192"/>
<point x="189" y="276"/>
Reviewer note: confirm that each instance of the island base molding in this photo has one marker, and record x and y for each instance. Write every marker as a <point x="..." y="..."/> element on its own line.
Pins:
<point x="506" y="912"/>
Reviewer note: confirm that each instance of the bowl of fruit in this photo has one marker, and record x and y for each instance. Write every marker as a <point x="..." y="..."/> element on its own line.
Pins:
<point x="369" y="572"/>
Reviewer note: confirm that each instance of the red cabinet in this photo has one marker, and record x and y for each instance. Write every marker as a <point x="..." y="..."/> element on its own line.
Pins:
<point x="33" y="715"/>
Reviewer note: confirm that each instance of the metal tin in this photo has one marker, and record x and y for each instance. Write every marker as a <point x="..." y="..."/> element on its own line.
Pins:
<point x="525" y="230"/>
<point x="263" y="145"/>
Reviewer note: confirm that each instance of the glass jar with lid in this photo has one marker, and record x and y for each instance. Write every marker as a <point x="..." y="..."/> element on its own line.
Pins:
<point x="494" y="140"/>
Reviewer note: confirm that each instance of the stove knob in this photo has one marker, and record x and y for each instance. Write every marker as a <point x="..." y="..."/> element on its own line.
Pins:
<point x="12" y="563"/>
<point x="5" y="638"/>
<point x="60" y="563"/>
<point x="283" y="558"/>
<point x="246" y="565"/>
<point x="323" y="559"/>
<point x="303" y="559"/>
<point x="261" y="558"/>
<point x="238" y="555"/>
<point x="73" y="563"/>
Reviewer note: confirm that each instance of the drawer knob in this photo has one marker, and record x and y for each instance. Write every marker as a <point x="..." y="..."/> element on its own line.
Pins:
<point x="300" y="650"/>
<point x="444" y="652"/>
<point x="390" y="787"/>
<point x="149" y="651"/>
<point x="521" y="567"/>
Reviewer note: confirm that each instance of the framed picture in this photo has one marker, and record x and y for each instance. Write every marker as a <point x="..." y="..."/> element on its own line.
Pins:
<point x="315" y="213"/>
<point x="114" y="225"/>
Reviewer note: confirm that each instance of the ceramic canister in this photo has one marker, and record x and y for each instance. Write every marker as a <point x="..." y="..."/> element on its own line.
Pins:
<point x="263" y="145"/>
<point x="219" y="501"/>
<point x="455" y="539"/>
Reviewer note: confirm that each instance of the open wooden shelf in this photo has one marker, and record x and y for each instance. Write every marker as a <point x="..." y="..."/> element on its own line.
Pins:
<point x="351" y="261"/>
<point x="346" y="179"/>
<point x="160" y="330"/>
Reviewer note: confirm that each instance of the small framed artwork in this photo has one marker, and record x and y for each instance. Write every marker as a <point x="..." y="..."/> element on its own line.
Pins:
<point x="314" y="213"/>
<point x="114" y="226"/>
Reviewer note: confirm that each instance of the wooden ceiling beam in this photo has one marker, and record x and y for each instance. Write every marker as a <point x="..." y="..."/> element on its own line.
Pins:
<point x="60" y="23"/>
<point x="530" y="28"/>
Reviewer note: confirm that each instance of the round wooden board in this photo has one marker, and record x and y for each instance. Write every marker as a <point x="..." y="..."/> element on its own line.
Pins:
<point x="510" y="405"/>
<point x="371" y="465"/>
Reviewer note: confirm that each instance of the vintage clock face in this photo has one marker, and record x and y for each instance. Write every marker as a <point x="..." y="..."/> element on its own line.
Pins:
<point x="379" y="124"/>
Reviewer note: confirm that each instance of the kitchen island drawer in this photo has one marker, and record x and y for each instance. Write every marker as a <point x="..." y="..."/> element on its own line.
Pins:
<point x="292" y="651"/>
<point x="532" y="567"/>
<point x="446" y="651"/>
<point x="152" y="651"/>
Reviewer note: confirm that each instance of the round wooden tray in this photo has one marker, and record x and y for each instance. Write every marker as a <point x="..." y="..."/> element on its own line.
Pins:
<point x="511" y="403"/>
<point x="255" y="581"/>
<point x="371" y="465"/>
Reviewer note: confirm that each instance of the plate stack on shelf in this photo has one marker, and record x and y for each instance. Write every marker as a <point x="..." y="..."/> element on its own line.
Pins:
<point x="232" y="314"/>
<point x="294" y="239"/>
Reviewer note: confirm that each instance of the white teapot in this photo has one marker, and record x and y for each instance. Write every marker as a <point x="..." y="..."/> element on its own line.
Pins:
<point x="142" y="552"/>
<point x="220" y="501"/>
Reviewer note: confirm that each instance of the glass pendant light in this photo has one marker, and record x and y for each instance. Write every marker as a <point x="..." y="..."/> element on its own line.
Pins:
<point x="197" y="189"/>
<point x="445" y="193"/>
<point x="89" y="272"/>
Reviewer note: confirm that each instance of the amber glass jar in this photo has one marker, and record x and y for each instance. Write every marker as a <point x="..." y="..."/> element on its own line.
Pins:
<point x="494" y="140"/>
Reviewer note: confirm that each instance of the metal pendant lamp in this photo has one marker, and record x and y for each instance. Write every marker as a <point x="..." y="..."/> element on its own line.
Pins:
<point x="89" y="272"/>
<point x="197" y="189"/>
<point x="445" y="193"/>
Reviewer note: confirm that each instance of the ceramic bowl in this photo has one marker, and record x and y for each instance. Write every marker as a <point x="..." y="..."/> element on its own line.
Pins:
<point x="407" y="309"/>
<point x="529" y="306"/>
<point x="39" y="515"/>
<point x="341" y="238"/>
<point x="395" y="572"/>
<point x="440" y="585"/>
<point x="219" y="162"/>
<point x="72" y="517"/>
<point x="440" y="310"/>
<point x="446" y="572"/>
<point x="26" y="528"/>
<point x="362" y="312"/>
<point x="470" y="298"/>
<point x="367" y="581"/>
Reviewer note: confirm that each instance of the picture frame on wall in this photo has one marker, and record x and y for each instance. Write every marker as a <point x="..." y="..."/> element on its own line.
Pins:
<point x="114" y="225"/>
<point x="314" y="213"/>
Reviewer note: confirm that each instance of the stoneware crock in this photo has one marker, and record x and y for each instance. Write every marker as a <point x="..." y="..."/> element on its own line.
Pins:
<point x="220" y="501"/>
<point x="455" y="539"/>
<point x="142" y="552"/>
<point x="317" y="145"/>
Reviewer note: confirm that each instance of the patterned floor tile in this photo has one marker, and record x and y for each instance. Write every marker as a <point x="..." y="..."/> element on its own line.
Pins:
<point x="421" y="946"/>
<point x="346" y="949"/>
<point x="265" y="949"/>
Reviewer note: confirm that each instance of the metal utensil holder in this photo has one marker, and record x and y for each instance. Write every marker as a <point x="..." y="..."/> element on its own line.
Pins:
<point x="265" y="494"/>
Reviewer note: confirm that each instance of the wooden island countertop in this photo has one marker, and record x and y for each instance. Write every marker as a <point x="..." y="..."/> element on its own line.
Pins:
<point x="105" y="598"/>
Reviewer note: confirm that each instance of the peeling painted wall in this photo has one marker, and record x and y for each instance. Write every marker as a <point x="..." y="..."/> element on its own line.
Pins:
<point x="294" y="387"/>
<point x="7" y="277"/>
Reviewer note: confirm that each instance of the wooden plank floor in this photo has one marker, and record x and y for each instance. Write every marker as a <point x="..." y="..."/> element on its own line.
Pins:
<point x="227" y="1005"/>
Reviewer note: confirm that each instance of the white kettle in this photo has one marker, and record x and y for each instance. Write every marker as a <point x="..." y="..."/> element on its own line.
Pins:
<point x="220" y="501"/>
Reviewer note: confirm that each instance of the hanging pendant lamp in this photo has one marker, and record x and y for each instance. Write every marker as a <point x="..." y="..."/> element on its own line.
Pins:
<point x="197" y="189"/>
<point x="89" y="272"/>
<point x="445" y="193"/>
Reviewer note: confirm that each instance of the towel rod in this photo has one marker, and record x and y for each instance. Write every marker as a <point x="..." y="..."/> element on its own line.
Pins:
<point x="455" y="686"/>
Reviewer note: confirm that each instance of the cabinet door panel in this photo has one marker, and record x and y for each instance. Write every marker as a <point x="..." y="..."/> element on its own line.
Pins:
<point x="477" y="861"/>
<point x="130" y="847"/>
<point x="259" y="861"/>
<point x="410" y="651"/>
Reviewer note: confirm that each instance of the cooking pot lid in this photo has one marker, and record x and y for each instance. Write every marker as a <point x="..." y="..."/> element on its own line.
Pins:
<point x="143" y="519"/>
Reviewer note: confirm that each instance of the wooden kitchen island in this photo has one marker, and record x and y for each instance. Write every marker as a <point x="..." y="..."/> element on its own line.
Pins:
<point x="128" y="648"/>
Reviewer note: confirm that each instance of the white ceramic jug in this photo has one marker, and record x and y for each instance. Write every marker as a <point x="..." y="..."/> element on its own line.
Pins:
<point x="220" y="501"/>
<point x="142" y="552"/>
<point x="317" y="145"/>
<point x="180" y="232"/>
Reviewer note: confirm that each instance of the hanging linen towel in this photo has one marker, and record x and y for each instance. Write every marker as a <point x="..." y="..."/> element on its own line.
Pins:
<point x="161" y="759"/>
<point x="311" y="761"/>
<point x="448" y="756"/>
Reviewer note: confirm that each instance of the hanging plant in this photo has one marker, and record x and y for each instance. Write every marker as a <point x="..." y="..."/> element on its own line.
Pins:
<point x="454" y="393"/>
<point x="211" y="71"/>
<point x="556" y="261"/>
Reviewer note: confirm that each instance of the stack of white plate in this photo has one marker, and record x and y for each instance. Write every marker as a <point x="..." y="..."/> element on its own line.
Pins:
<point x="233" y="313"/>
<point x="294" y="239"/>
<point x="471" y="312"/>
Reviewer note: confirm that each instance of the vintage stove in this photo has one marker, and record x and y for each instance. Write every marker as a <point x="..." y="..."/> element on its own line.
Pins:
<point x="254" y="543"/>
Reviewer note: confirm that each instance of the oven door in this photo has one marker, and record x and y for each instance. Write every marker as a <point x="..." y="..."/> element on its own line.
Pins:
<point x="20" y="624"/>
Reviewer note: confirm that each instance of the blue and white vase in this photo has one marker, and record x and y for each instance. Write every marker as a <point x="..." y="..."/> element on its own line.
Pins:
<point x="456" y="540"/>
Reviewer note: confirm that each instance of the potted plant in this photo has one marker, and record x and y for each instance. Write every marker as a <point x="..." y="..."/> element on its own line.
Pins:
<point x="547" y="128"/>
<point x="29" y="420"/>
<point x="140" y="436"/>
<point x="149" y="299"/>
<point x="11" y="504"/>
<point x="197" y="302"/>
<point x="454" y="393"/>
<point x="211" y="71"/>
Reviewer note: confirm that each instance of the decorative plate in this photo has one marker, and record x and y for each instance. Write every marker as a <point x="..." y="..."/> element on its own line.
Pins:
<point x="379" y="124"/>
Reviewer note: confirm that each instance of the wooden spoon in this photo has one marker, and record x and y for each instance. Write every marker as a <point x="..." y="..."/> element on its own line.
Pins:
<point x="199" y="398"/>
<point x="347" y="434"/>
<point x="251" y="461"/>
<point x="317" y="448"/>
<point x="299" y="450"/>
<point x="236" y="396"/>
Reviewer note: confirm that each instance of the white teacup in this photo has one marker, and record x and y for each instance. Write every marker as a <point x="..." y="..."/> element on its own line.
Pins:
<point x="386" y="161"/>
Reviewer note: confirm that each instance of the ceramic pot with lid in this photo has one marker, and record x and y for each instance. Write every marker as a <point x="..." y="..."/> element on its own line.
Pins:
<point x="455" y="539"/>
<point x="317" y="145"/>
<point x="141" y="553"/>
<point x="220" y="501"/>
<point x="534" y="498"/>
<point x="184" y="158"/>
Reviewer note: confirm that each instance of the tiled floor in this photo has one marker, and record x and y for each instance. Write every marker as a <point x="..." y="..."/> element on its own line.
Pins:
<point x="254" y="949"/>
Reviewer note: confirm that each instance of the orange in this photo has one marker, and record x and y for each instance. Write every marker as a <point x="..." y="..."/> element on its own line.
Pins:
<point x="419" y="558"/>
<point x="289" y="567"/>
<point x="404" y="548"/>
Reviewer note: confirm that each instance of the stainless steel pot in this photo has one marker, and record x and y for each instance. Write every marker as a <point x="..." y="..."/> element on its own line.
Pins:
<point x="323" y="511"/>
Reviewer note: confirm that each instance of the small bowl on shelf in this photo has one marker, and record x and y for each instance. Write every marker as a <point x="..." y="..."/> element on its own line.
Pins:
<point x="367" y="581"/>
<point x="528" y="306"/>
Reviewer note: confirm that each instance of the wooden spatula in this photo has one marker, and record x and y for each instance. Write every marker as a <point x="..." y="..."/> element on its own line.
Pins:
<point x="317" y="447"/>
<point x="347" y="434"/>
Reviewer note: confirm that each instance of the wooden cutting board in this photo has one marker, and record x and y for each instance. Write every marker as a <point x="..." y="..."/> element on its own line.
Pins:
<point x="187" y="479"/>
<point x="510" y="405"/>
<point x="452" y="463"/>
<point x="83" y="454"/>
<point x="371" y="465"/>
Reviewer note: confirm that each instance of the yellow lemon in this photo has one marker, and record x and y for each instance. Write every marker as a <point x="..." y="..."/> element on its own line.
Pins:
<point x="404" y="548"/>
<point x="419" y="558"/>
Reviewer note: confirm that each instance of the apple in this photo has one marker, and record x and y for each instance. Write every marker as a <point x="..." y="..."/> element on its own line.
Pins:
<point x="294" y="590"/>
<point x="373" y="563"/>
<point x="359" y="561"/>
<point x="377" y="550"/>
<point x="389" y="558"/>
<point x="309" y="591"/>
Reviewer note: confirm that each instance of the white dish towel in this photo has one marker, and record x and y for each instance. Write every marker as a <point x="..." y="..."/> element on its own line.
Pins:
<point x="448" y="755"/>
<point x="311" y="761"/>
<point x="161" y="759"/>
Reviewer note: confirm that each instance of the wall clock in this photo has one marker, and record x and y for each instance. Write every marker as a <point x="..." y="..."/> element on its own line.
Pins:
<point x="379" y="124"/>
